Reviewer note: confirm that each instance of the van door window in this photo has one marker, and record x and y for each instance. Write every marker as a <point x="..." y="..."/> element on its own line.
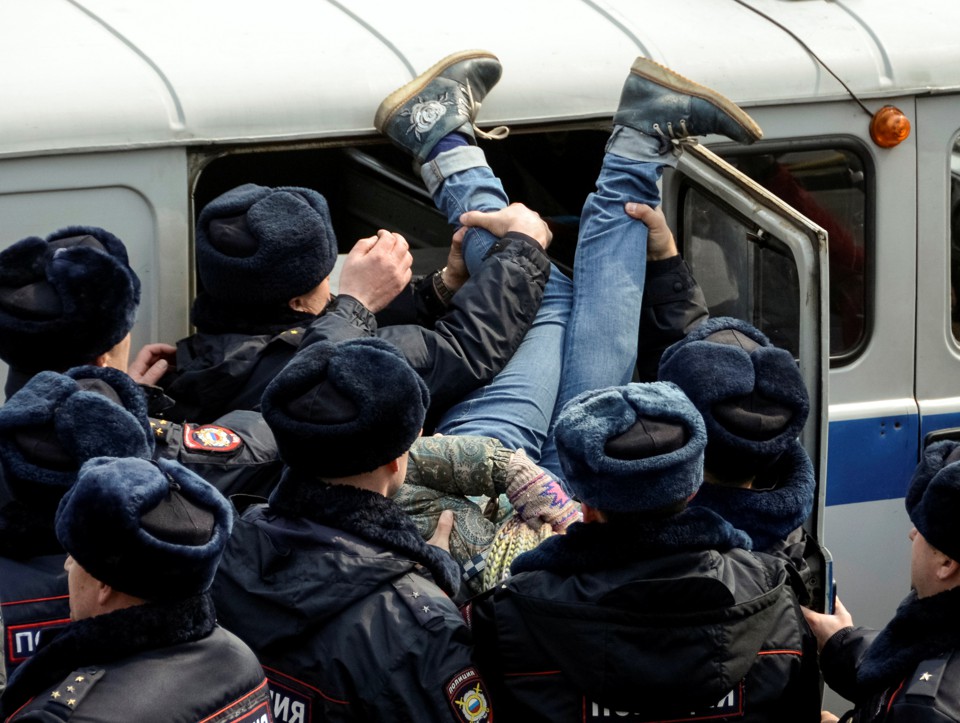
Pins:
<point x="743" y="271"/>
<point x="828" y="187"/>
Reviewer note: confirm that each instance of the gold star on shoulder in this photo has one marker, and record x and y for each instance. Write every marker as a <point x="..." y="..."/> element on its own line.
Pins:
<point x="415" y="594"/>
<point x="925" y="677"/>
<point x="72" y="702"/>
<point x="71" y="689"/>
<point x="79" y="679"/>
<point x="55" y="694"/>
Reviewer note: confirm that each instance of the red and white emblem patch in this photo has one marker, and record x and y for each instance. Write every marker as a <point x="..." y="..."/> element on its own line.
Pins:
<point x="468" y="697"/>
<point x="210" y="438"/>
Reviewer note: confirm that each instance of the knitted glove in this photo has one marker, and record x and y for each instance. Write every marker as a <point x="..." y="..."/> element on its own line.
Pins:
<point x="537" y="497"/>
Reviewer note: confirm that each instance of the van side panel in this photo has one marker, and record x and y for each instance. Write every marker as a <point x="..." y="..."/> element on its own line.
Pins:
<point x="141" y="196"/>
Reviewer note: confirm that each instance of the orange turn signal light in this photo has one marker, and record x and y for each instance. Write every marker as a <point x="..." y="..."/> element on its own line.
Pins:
<point x="889" y="127"/>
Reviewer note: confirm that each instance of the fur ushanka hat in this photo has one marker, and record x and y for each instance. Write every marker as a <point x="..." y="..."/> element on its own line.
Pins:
<point x="751" y="395"/>
<point x="264" y="246"/>
<point x="154" y="530"/>
<point x="342" y="409"/>
<point x="933" y="498"/>
<point x="66" y="299"/>
<point x="56" y="422"/>
<point x="633" y="448"/>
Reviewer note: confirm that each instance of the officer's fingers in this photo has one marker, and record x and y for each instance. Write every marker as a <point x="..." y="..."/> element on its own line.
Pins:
<point x="441" y="537"/>
<point x="637" y="210"/>
<point x="363" y="246"/>
<point x="490" y="221"/>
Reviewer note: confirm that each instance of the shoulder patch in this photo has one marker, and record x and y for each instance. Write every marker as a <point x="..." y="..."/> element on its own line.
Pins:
<point x="24" y="639"/>
<point x="210" y="438"/>
<point x="468" y="697"/>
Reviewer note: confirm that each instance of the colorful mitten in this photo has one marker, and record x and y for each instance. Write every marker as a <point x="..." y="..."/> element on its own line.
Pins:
<point x="537" y="497"/>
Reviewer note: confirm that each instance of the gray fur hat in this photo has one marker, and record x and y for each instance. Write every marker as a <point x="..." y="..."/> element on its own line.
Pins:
<point x="154" y="530"/>
<point x="56" y="422"/>
<point x="933" y="497"/>
<point x="66" y="299"/>
<point x="338" y="410"/>
<point x="261" y="245"/>
<point x="633" y="448"/>
<point x="751" y="395"/>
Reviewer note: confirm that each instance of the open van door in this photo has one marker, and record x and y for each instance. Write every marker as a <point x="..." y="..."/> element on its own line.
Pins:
<point x="758" y="259"/>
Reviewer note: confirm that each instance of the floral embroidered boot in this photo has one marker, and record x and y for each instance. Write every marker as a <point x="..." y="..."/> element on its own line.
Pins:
<point x="444" y="99"/>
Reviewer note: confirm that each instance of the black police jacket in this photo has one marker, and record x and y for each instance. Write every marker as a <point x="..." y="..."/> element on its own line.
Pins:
<point x="461" y="350"/>
<point x="332" y="595"/>
<point x="149" y="663"/>
<point x="33" y="599"/>
<point x="647" y="623"/>
<point x="907" y="672"/>
<point x="236" y="453"/>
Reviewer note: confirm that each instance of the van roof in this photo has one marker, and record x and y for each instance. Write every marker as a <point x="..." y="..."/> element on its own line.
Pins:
<point x="95" y="74"/>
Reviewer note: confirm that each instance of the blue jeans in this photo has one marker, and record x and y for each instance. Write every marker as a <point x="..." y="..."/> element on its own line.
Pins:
<point x="585" y="334"/>
<point x="517" y="406"/>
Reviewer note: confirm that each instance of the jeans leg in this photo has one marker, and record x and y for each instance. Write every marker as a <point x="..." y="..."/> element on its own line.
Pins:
<point x="460" y="180"/>
<point x="517" y="406"/>
<point x="600" y="349"/>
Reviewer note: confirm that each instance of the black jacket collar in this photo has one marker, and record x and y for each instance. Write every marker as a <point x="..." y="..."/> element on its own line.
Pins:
<point x="107" y="638"/>
<point x="588" y="547"/>
<point x="365" y="514"/>
<point x="922" y="628"/>
<point x="767" y="515"/>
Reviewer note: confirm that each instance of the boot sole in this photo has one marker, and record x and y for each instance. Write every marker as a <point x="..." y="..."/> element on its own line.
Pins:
<point x="398" y="98"/>
<point x="661" y="75"/>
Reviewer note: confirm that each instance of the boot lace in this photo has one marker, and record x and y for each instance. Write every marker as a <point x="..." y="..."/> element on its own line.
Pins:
<point x="473" y="108"/>
<point x="671" y="134"/>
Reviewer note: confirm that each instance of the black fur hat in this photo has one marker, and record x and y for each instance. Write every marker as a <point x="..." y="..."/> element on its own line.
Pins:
<point x="154" y="530"/>
<point x="264" y="246"/>
<point x="633" y="448"/>
<point x="65" y="300"/>
<point x="56" y="422"/>
<point x="750" y="393"/>
<point x="933" y="498"/>
<point x="338" y="410"/>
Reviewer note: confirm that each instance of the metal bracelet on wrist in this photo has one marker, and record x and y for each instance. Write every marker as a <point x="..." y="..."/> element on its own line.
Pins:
<point x="443" y="293"/>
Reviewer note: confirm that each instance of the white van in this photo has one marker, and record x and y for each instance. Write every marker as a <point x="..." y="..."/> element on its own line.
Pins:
<point x="131" y="115"/>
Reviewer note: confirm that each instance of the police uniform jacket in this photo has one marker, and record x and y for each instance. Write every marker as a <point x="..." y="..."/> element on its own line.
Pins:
<point x="461" y="350"/>
<point x="647" y="622"/>
<point x="332" y="592"/>
<point x="33" y="583"/>
<point x="909" y="671"/>
<point x="237" y="453"/>
<point x="149" y="663"/>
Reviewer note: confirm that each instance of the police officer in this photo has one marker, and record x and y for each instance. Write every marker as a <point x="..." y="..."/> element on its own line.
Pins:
<point x="648" y="609"/>
<point x="910" y="670"/>
<point x="71" y="299"/>
<point x="754" y="404"/>
<point x="143" y="643"/>
<point x="264" y="258"/>
<point x="47" y="430"/>
<point x="330" y="582"/>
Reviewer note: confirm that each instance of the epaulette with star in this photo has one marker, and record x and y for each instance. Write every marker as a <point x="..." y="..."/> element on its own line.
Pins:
<point x="63" y="700"/>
